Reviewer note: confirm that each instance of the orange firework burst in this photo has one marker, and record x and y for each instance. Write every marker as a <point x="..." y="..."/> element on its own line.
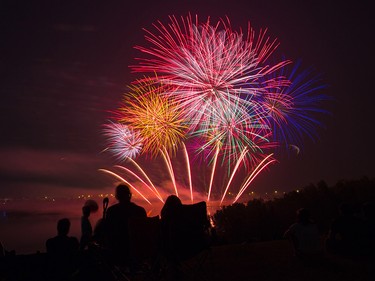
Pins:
<point x="159" y="120"/>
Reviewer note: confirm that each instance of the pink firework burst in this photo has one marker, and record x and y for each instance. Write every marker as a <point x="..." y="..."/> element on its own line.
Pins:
<point x="124" y="142"/>
<point x="208" y="63"/>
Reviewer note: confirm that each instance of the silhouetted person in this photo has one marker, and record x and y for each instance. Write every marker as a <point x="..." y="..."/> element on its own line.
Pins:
<point x="117" y="217"/>
<point x="369" y="214"/>
<point x="346" y="234"/>
<point x="62" y="244"/>
<point x="86" y="228"/>
<point x="304" y="235"/>
<point x="171" y="208"/>
<point x="62" y="250"/>
<point x="2" y="250"/>
<point x="170" y="219"/>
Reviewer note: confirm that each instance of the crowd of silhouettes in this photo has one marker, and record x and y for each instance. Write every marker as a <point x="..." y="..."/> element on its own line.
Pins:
<point x="179" y="224"/>
<point x="350" y="233"/>
<point x="266" y="220"/>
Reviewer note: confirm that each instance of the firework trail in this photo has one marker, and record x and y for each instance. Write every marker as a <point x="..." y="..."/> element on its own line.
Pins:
<point x="168" y="162"/>
<point x="125" y="181"/>
<point x="151" y="188"/>
<point x="262" y="165"/>
<point x="187" y="158"/>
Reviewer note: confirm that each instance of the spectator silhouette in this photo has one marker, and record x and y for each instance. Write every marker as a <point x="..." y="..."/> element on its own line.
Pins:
<point x="304" y="235"/>
<point x="86" y="228"/>
<point x="369" y="214"/>
<point x="171" y="208"/>
<point x="2" y="250"/>
<point x="62" y="244"/>
<point x="347" y="233"/>
<point x="170" y="218"/>
<point x="62" y="250"/>
<point x="117" y="217"/>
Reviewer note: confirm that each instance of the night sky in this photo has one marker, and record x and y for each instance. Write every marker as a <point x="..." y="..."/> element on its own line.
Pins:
<point x="65" y="65"/>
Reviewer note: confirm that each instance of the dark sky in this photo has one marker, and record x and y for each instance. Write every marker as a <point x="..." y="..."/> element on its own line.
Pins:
<point x="65" y="65"/>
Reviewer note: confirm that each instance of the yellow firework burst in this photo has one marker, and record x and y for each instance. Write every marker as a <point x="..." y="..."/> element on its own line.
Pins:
<point x="159" y="120"/>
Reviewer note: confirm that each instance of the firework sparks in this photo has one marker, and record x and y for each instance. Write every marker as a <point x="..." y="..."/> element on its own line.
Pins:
<point x="157" y="120"/>
<point x="291" y="109"/>
<point x="123" y="141"/>
<point x="233" y="129"/>
<point x="125" y="181"/>
<point x="206" y="64"/>
<point x="216" y="91"/>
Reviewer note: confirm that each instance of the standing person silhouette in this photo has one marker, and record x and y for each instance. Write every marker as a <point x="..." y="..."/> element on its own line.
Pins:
<point x="86" y="228"/>
<point x="90" y="206"/>
<point x="117" y="217"/>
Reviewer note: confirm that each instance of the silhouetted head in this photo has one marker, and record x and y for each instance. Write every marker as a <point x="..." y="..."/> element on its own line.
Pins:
<point x="123" y="193"/>
<point x="86" y="210"/>
<point x="303" y="216"/>
<point x="63" y="226"/>
<point x="173" y="201"/>
<point x="170" y="206"/>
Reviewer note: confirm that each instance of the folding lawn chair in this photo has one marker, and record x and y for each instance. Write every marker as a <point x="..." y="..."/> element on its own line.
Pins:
<point x="187" y="244"/>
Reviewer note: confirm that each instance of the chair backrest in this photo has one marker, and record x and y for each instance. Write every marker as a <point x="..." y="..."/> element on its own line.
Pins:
<point x="187" y="234"/>
<point x="144" y="237"/>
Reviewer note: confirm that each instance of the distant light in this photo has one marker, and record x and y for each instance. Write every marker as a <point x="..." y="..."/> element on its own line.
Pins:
<point x="297" y="190"/>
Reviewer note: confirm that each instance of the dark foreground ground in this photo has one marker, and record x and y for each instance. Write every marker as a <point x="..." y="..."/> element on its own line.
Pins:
<point x="255" y="261"/>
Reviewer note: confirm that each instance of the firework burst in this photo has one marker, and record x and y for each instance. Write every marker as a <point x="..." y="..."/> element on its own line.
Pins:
<point x="124" y="142"/>
<point x="159" y="122"/>
<point x="231" y="130"/>
<point x="292" y="110"/>
<point x="217" y="95"/>
<point x="205" y="64"/>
